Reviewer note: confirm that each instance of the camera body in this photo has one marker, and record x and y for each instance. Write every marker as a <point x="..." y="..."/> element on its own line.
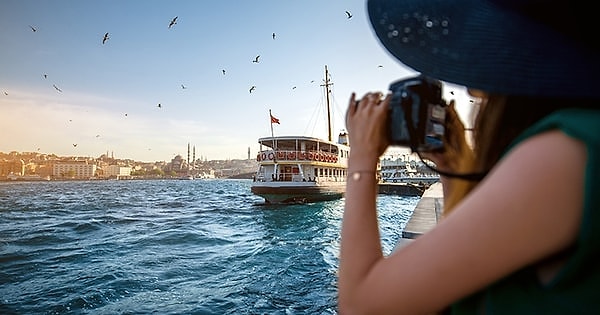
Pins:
<point x="417" y="114"/>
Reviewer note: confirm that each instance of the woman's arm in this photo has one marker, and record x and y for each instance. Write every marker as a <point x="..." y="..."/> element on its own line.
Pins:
<point x="521" y="213"/>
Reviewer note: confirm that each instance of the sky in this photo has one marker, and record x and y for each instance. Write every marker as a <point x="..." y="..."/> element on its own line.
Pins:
<point x="64" y="91"/>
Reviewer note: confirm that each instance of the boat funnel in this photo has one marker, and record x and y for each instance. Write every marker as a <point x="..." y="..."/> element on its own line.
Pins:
<point x="343" y="138"/>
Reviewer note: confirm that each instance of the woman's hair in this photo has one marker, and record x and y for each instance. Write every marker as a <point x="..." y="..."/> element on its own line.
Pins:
<point x="499" y="121"/>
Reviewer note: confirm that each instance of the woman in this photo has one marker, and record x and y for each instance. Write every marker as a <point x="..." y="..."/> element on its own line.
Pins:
<point x="525" y="238"/>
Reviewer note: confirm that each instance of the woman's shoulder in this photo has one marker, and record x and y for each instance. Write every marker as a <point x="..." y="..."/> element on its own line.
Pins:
<point x="583" y="124"/>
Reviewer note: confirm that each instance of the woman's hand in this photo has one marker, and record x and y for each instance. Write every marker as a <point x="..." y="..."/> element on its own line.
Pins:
<point x="457" y="153"/>
<point x="366" y="122"/>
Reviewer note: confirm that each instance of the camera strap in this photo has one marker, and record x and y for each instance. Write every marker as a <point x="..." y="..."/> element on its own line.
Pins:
<point x="475" y="177"/>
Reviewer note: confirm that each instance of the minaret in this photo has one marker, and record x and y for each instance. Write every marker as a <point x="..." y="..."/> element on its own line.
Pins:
<point x="188" y="156"/>
<point x="194" y="156"/>
<point x="248" y="153"/>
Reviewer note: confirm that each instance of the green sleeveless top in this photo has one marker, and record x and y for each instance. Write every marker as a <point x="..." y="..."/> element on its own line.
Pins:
<point x="576" y="287"/>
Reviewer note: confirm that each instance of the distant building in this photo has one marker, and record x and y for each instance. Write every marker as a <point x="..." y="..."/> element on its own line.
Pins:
<point x="74" y="169"/>
<point x="112" y="171"/>
<point x="16" y="167"/>
<point x="178" y="164"/>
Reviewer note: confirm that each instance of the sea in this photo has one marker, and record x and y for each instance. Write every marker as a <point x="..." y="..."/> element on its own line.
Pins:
<point x="171" y="247"/>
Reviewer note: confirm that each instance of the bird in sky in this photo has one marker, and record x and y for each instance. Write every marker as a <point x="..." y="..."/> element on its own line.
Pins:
<point x="380" y="66"/>
<point x="45" y="76"/>
<point x="173" y="22"/>
<point x="183" y="87"/>
<point x="293" y="88"/>
<point x="33" y="29"/>
<point x="74" y="144"/>
<point x="256" y="59"/>
<point x="252" y="88"/>
<point x="223" y="71"/>
<point x="5" y="93"/>
<point x="56" y="88"/>
<point x="159" y="105"/>
<point x="348" y="14"/>
<point x="273" y="35"/>
<point x="105" y="38"/>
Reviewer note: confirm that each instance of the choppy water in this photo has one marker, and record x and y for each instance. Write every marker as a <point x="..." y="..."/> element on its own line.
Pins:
<point x="171" y="247"/>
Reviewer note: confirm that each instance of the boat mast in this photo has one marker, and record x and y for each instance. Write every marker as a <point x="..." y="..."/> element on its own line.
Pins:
<point x="327" y="91"/>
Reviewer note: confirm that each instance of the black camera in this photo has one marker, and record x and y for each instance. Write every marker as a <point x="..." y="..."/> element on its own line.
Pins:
<point x="417" y="114"/>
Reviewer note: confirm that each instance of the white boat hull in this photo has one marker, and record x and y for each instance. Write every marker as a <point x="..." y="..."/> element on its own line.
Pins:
<point x="302" y="192"/>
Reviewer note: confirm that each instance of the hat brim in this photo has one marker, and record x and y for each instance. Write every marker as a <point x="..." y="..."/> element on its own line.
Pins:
<point x="482" y="45"/>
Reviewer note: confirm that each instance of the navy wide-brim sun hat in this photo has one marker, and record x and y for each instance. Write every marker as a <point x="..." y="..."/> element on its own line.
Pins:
<point x="513" y="47"/>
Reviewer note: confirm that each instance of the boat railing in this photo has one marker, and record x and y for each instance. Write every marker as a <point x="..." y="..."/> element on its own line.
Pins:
<point x="295" y="177"/>
<point x="297" y="156"/>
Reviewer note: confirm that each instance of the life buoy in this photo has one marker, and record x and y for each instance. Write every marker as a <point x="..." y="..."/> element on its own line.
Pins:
<point x="292" y="155"/>
<point x="280" y="155"/>
<point x="321" y="157"/>
<point x="311" y="156"/>
<point x="302" y="155"/>
<point x="271" y="155"/>
<point x="263" y="157"/>
<point x="335" y="159"/>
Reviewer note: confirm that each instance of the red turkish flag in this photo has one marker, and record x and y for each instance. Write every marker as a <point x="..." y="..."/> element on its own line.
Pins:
<point x="274" y="120"/>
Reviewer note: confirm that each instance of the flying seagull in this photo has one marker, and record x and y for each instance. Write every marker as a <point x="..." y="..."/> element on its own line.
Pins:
<point x="33" y="29"/>
<point x="183" y="87"/>
<point x="159" y="105"/>
<point x="74" y="144"/>
<point x="105" y="38"/>
<point x="5" y="93"/>
<point x="273" y="35"/>
<point x="256" y="59"/>
<point x="349" y="14"/>
<point x="223" y="71"/>
<point x="173" y="22"/>
<point x="45" y="76"/>
<point x="56" y="88"/>
<point x="252" y="88"/>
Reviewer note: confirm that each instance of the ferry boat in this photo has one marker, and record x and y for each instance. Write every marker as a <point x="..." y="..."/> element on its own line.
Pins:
<point x="302" y="169"/>
<point x="395" y="172"/>
<point x="33" y="177"/>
